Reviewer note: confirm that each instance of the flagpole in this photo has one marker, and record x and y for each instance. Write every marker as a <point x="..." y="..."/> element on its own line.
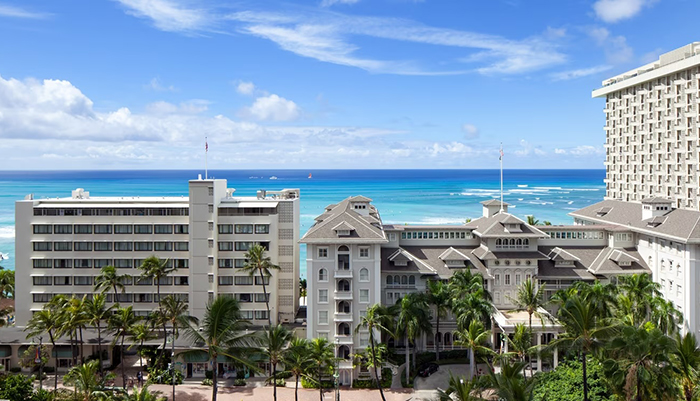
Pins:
<point x="206" y="153"/>
<point x="501" y="159"/>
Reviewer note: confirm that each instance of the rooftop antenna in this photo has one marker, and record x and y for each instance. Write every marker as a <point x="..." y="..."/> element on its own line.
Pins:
<point x="206" y="152"/>
<point x="500" y="158"/>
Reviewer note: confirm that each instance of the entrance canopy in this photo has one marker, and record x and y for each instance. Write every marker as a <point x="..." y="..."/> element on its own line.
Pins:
<point x="507" y="320"/>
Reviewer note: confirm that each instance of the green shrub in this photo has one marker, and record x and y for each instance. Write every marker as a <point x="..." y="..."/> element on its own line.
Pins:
<point x="281" y="382"/>
<point x="43" y="395"/>
<point x="209" y="374"/>
<point x="239" y="382"/>
<point x="207" y="382"/>
<point x="306" y="383"/>
<point x="284" y="375"/>
<point x="370" y="383"/>
<point x="565" y="383"/>
<point x="16" y="387"/>
<point x="163" y="376"/>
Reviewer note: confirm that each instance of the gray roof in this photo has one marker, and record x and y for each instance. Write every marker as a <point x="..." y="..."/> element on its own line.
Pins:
<point x="656" y="200"/>
<point x="680" y="224"/>
<point x="494" y="202"/>
<point x="426" y="260"/>
<point x="590" y="261"/>
<point x="341" y="216"/>
<point x="403" y="227"/>
<point x="494" y="226"/>
<point x="453" y="254"/>
<point x="360" y="198"/>
<point x="484" y="253"/>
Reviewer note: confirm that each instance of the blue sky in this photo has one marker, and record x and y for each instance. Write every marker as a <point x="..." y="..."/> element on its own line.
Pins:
<point x="122" y="84"/>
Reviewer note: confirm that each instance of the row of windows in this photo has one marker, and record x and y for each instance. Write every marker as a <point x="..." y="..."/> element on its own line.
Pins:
<point x="231" y="263"/>
<point x="100" y="263"/>
<point x="247" y="211"/>
<point x="254" y="315"/>
<point x="576" y="234"/>
<point x="89" y="280"/>
<point x="244" y="228"/>
<point x="400" y="280"/>
<point x="112" y="212"/>
<point x="59" y="246"/>
<point x="506" y="279"/>
<point x="363" y="251"/>
<point x="109" y="228"/>
<point x="247" y="298"/>
<point x="137" y="298"/>
<point x="243" y="280"/>
<point x="436" y="235"/>
<point x="512" y="243"/>
<point x="242" y="245"/>
<point x="323" y="274"/>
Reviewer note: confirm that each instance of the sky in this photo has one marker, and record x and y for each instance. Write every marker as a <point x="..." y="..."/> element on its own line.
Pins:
<point x="136" y="84"/>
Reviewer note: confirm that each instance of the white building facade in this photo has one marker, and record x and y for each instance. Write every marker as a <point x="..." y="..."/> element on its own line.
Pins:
<point x="62" y="243"/>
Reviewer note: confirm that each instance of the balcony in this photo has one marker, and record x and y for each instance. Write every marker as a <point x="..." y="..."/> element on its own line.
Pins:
<point x="343" y="273"/>
<point x="342" y="317"/>
<point x="343" y="295"/>
<point x="344" y="340"/>
<point x="345" y="365"/>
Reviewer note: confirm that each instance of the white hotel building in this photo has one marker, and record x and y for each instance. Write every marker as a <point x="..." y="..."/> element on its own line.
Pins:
<point x="62" y="243"/>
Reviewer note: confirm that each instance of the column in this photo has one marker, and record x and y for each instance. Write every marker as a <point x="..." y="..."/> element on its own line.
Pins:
<point x="539" y="355"/>
<point x="505" y="339"/>
<point x="556" y="354"/>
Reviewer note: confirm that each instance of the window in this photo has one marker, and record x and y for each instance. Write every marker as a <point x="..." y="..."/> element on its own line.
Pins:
<point x="322" y="253"/>
<point x="497" y="279"/>
<point x="100" y="263"/>
<point x="364" y="252"/>
<point x="507" y="278"/>
<point x="102" y="246"/>
<point x="323" y="275"/>
<point x="42" y="280"/>
<point x="226" y="263"/>
<point x="41" y="297"/>
<point x="244" y="246"/>
<point x="323" y="317"/>
<point x="226" y="280"/>
<point x="123" y="263"/>
<point x="163" y="246"/>
<point x="262" y="228"/>
<point x="102" y="229"/>
<point x="61" y="280"/>
<point x="262" y="297"/>
<point x="181" y="280"/>
<point x="364" y="296"/>
<point x="245" y="280"/>
<point x="62" y="246"/>
<point x="122" y="229"/>
<point x="62" y="263"/>
<point x="517" y="279"/>
<point x="165" y="281"/>
<point x="244" y="228"/>
<point x="259" y="280"/>
<point x="82" y="229"/>
<point x="497" y="297"/>
<point x="42" y="263"/>
<point x="181" y="263"/>
<point x="364" y="274"/>
<point x="182" y="246"/>
<point x="225" y="228"/>
<point x="163" y="229"/>
<point x="225" y="245"/>
<point x="239" y="263"/>
<point x="42" y="228"/>
<point x="181" y="229"/>
<point x="82" y="263"/>
<point x="261" y="315"/>
<point x="392" y="236"/>
<point x="245" y="298"/>
<point x="42" y="246"/>
<point x="63" y="229"/>
<point x="143" y="229"/>
<point x="323" y="296"/>
<point x="411" y="280"/>
<point x="143" y="246"/>
<point x="82" y="280"/>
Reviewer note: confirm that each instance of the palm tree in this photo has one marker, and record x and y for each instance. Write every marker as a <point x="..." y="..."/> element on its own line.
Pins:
<point x="439" y="295"/>
<point x="121" y="323"/>
<point x="47" y="321"/>
<point x="686" y="363"/>
<point x="531" y="220"/>
<point x="85" y="379"/>
<point x="413" y="320"/>
<point x="77" y="320"/>
<point x="510" y="384"/>
<point x="665" y="315"/>
<point x="459" y="389"/>
<point x="583" y="334"/>
<point x="322" y="356"/>
<point x="7" y="284"/>
<point x="258" y="263"/>
<point x="521" y="343"/>
<point x="155" y="269"/>
<point x="602" y="297"/>
<point x="274" y="346"/>
<point x="140" y="333"/>
<point x="144" y="394"/>
<point x="298" y="361"/>
<point x="108" y="279"/>
<point x="640" y="366"/>
<point x="176" y="313"/>
<point x="221" y="333"/>
<point x="640" y="289"/>
<point x="474" y="339"/>
<point x="96" y="312"/>
<point x="530" y="298"/>
<point x="470" y="298"/>
<point x="377" y="319"/>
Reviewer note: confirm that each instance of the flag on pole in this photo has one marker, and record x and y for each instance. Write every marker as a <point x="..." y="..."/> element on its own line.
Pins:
<point x="501" y="157"/>
<point x="206" y="145"/>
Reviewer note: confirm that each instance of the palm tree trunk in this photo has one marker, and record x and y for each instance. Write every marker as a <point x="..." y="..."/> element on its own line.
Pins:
<point x="585" y="378"/>
<point x="99" y="348"/>
<point x="82" y="346"/>
<point x="141" y="356"/>
<point x="215" y="386"/>
<point x="320" y="384"/>
<point x="529" y="358"/>
<point x="123" y="372"/>
<point x="472" y="363"/>
<point x="374" y="362"/>
<point x="408" y="361"/>
<point x="55" y="352"/>
<point x="437" y="343"/>
<point x="274" y="381"/>
<point x="296" y="388"/>
<point x="267" y="301"/>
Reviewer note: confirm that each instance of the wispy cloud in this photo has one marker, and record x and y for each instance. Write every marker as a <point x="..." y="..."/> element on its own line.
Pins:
<point x="617" y="10"/>
<point x="169" y="15"/>
<point x="16" y="12"/>
<point x="616" y="49"/>
<point x="328" y="3"/>
<point x="579" y="73"/>
<point x="156" y="85"/>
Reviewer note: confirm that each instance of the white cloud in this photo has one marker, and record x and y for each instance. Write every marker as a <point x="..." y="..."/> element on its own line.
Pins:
<point x="616" y="49"/>
<point x="190" y="107"/>
<point x="158" y="86"/>
<point x="470" y="131"/>
<point x="560" y="151"/>
<point x="526" y="149"/>
<point x="245" y="88"/>
<point x="617" y="10"/>
<point x="586" y="150"/>
<point x="328" y="3"/>
<point x="272" y="108"/>
<point x="582" y="72"/>
<point x="16" y="12"/>
<point x="168" y="15"/>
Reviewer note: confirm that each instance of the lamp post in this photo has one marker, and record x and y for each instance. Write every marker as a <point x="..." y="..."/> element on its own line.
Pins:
<point x="40" y="362"/>
<point x="336" y="374"/>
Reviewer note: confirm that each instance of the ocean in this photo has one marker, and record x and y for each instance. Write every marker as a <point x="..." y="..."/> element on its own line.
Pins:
<point x="402" y="196"/>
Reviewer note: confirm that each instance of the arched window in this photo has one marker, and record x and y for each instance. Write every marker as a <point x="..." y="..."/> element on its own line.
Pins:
<point x="323" y="275"/>
<point x="343" y="285"/>
<point x="404" y="280"/>
<point x="412" y="280"/>
<point x="343" y="307"/>
<point x="397" y="280"/>
<point x="512" y="241"/>
<point x="364" y="274"/>
<point x="518" y="242"/>
<point x="344" y="329"/>
<point x="389" y="280"/>
<point x="498" y="242"/>
<point x="343" y="248"/>
<point x="526" y="242"/>
<point x="448" y="338"/>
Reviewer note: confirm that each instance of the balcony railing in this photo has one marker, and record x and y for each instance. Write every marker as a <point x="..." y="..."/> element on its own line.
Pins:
<point x="342" y="317"/>
<point x="343" y="274"/>
<point x="343" y="295"/>
<point x="344" y="340"/>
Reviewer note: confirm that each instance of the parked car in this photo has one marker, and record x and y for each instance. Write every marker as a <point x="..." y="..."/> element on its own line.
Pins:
<point x="428" y="370"/>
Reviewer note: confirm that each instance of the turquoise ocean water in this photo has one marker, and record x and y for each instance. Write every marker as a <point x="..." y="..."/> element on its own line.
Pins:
<point x="402" y="196"/>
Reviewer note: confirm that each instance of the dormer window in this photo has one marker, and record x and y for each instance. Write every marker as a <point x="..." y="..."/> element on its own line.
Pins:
<point x="343" y="232"/>
<point x="343" y="229"/>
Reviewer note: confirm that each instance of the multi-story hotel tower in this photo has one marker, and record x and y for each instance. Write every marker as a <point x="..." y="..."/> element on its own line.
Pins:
<point x="652" y="132"/>
<point x="62" y="243"/>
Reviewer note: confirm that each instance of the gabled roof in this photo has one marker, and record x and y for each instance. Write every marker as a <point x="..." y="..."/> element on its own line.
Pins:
<point x="606" y="264"/>
<point x="341" y="216"/>
<point x="360" y="198"/>
<point x="619" y="256"/>
<point x="495" y="226"/>
<point x="680" y="225"/>
<point x="453" y="254"/>
<point x="494" y="202"/>
<point x="426" y="260"/>
<point x="558" y="254"/>
<point x="484" y="253"/>
<point x="400" y="256"/>
<point x="656" y="200"/>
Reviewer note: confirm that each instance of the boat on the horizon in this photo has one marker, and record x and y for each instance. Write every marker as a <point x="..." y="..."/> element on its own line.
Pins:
<point x="309" y="175"/>
<point x="273" y="177"/>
